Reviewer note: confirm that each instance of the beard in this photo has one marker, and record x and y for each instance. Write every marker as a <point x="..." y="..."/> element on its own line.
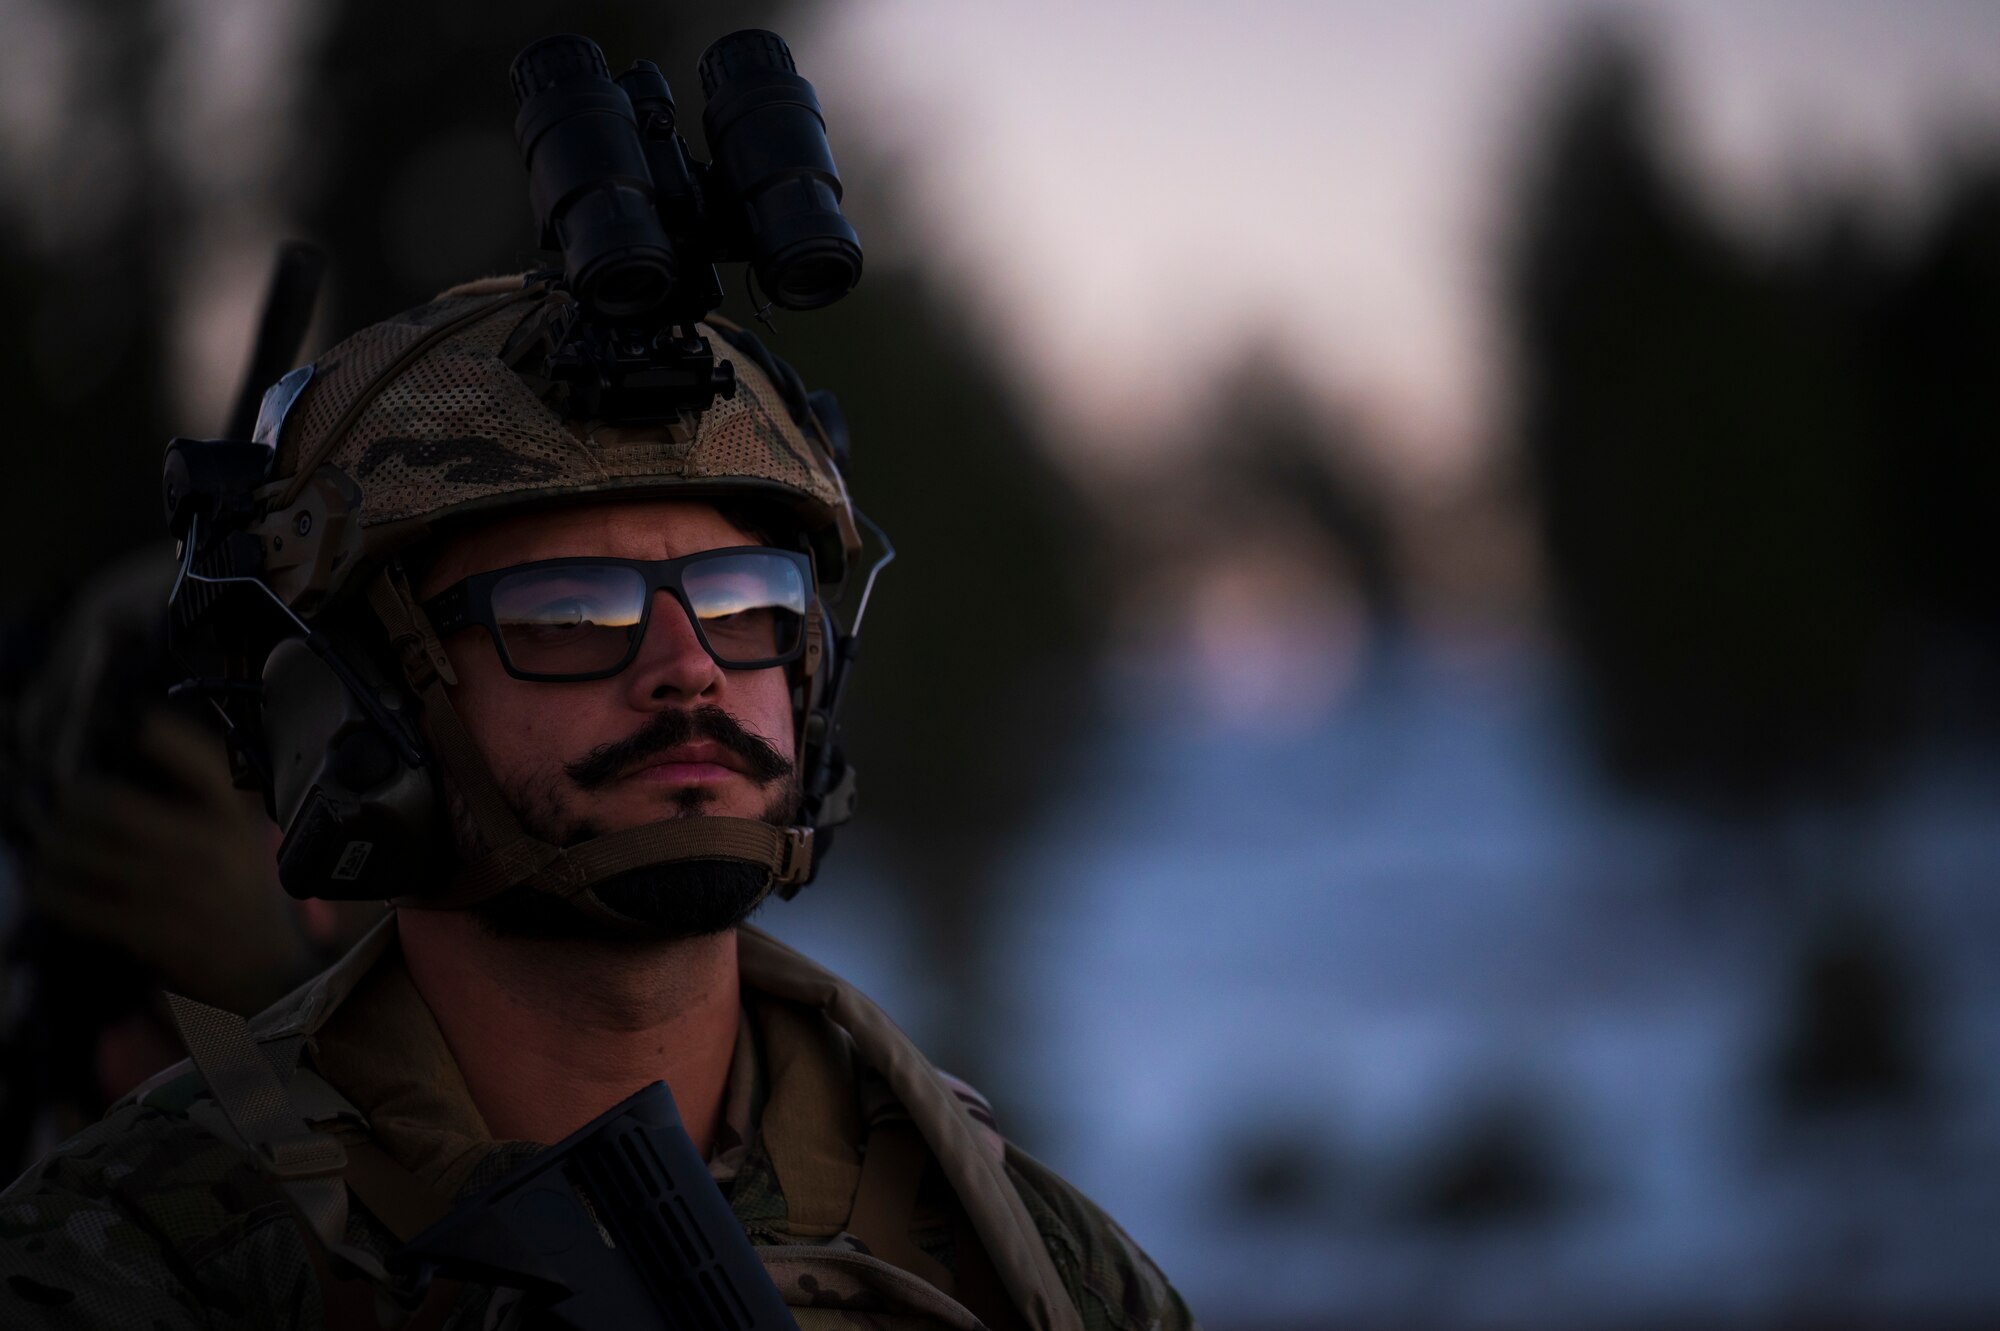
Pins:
<point x="678" y="899"/>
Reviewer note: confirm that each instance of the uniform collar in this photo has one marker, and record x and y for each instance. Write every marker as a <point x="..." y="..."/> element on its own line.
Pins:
<point x="307" y="1008"/>
<point x="375" y="1039"/>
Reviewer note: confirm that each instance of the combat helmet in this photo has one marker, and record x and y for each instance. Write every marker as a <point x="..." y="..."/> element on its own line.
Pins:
<point x="436" y="416"/>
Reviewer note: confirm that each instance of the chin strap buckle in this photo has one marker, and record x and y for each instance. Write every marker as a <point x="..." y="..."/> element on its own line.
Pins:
<point x="795" y="865"/>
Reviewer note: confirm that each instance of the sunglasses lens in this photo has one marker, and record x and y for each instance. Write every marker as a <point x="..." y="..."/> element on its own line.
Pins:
<point x="576" y="619"/>
<point x="751" y="605"/>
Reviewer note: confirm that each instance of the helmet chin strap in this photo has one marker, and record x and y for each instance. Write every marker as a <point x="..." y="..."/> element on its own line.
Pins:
<point x="516" y="859"/>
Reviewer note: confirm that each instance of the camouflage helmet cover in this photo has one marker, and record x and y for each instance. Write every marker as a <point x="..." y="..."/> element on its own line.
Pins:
<point x="420" y="422"/>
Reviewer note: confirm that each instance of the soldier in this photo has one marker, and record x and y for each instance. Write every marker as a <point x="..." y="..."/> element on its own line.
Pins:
<point x="615" y="640"/>
<point x="139" y="865"/>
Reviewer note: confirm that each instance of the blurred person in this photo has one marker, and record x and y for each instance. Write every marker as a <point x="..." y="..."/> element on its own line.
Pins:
<point x="560" y="681"/>
<point x="140" y="867"/>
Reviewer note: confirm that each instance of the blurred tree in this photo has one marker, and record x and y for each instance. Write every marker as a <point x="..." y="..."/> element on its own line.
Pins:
<point x="1266" y="480"/>
<point x="977" y="684"/>
<point x="85" y="262"/>
<point x="1267" y="445"/>
<point x="1696" y="423"/>
<point x="1936" y="337"/>
<point x="1767" y="478"/>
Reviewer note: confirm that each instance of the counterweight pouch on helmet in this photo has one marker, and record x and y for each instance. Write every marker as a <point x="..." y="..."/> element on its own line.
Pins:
<point x="361" y="818"/>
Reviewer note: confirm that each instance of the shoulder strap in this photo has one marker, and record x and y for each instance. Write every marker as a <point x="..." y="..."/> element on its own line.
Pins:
<point x="308" y="1165"/>
<point x="276" y="1120"/>
<point x="885" y="1200"/>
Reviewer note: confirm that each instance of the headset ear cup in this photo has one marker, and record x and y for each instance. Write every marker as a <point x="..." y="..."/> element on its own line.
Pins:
<point x="360" y="821"/>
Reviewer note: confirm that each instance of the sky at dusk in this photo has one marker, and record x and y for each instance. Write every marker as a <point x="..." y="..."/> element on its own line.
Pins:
<point x="1136" y="194"/>
<point x="1177" y="177"/>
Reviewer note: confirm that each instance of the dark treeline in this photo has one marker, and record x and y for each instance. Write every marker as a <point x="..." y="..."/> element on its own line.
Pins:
<point x="86" y="348"/>
<point x="1765" y="471"/>
<point x="1766" y="480"/>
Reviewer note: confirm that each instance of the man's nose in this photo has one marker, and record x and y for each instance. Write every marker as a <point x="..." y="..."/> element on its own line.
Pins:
<point x="672" y="665"/>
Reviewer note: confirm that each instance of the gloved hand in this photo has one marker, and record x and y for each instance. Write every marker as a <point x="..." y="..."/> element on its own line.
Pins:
<point x="185" y="881"/>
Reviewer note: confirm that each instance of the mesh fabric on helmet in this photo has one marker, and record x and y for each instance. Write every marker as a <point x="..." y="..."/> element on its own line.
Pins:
<point x="456" y="430"/>
<point x="338" y="378"/>
<point x="752" y="435"/>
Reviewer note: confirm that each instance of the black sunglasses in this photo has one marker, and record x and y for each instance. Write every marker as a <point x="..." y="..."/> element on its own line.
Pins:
<point x="560" y="620"/>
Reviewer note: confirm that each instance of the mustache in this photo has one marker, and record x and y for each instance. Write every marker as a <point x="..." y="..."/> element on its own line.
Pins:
<point x="669" y="729"/>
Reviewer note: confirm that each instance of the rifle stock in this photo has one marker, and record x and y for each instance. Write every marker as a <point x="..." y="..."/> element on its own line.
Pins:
<point x="619" y="1225"/>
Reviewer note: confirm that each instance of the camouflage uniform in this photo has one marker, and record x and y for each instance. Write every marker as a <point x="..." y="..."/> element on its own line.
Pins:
<point x="159" y="1217"/>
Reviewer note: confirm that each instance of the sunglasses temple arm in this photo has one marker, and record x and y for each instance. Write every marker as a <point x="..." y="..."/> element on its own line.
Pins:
<point x="314" y="639"/>
<point x="887" y="557"/>
<point x="844" y="647"/>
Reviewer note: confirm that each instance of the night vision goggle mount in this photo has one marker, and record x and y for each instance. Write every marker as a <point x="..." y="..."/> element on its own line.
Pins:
<point x="642" y="223"/>
<point x="316" y="716"/>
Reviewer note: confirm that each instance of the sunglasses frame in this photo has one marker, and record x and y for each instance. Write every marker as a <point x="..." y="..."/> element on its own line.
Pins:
<point x="469" y="601"/>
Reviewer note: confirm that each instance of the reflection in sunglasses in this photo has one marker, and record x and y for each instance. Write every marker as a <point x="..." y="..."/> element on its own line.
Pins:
<point x="582" y="618"/>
